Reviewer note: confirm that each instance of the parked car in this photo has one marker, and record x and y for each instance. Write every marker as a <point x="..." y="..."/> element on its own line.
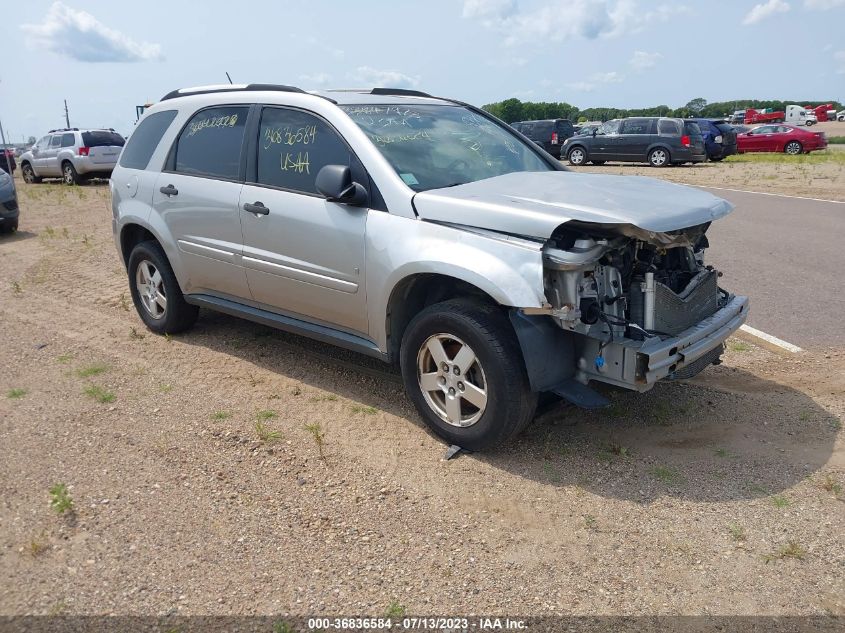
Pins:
<point x="548" y="134"/>
<point x="7" y="161"/>
<point x="424" y="232"/>
<point x="8" y="204"/>
<point x="780" y="138"/>
<point x="72" y="154"/>
<point x="719" y="138"/>
<point x="840" y="116"/>
<point x="737" y="117"/>
<point x="658" y="141"/>
<point x="587" y="129"/>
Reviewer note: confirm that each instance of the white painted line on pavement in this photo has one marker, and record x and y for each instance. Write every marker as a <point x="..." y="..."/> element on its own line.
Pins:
<point x="770" y="339"/>
<point x="766" y="193"/>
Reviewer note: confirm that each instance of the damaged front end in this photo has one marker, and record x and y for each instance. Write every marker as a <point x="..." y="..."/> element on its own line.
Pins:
<point x="644" y="303"/>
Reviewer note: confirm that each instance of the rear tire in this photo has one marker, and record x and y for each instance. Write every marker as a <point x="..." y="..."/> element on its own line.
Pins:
<point x="481" y="404"/>
<point x="659" y="157"/>
<point x="69" y="175"/>
<point x="793" y="148"/>
<point x="155" y="291"/>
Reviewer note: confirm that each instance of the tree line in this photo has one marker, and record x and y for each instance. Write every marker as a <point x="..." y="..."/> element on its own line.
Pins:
<point x="511" y="110"/>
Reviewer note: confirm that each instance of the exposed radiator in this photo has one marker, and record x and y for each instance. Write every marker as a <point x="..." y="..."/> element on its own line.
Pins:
<point x="674" y="313"/>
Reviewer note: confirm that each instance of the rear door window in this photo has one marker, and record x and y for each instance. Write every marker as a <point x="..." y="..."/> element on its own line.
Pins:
<point x="55" y="141"/>
<point x="293" y="146"/>
<point x="211" y="143"/>
<point x="102" y="138"/>
<point x="144" y="140"/>
<point x="565" y="128"/>
<point x="67" y="140"/>
<point x="543" y="130"/>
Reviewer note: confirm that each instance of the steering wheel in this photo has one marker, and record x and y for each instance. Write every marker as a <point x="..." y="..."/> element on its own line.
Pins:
<point x="454" y="165"/>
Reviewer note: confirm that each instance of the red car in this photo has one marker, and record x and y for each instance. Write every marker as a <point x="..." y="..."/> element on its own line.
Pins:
<point x="780" y="138"/>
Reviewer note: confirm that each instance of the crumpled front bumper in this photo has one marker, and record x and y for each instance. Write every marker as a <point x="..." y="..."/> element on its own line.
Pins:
<point x="639" y="365"/>
<point x="658" y="359"/>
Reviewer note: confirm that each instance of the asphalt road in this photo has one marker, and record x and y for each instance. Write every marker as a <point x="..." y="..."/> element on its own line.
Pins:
<point x="788" y="255"/>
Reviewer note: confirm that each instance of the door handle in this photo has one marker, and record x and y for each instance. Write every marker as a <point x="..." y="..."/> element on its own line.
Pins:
<point x="169" y="190"/>
<point x="257" y="208"/>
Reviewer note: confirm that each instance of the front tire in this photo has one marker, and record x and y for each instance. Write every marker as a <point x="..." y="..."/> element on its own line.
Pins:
<point x="463" y="370"/>
<point x="28" y="174"/>
<point x="659" y="157"/>
<point x="576" y="156"/>
<point x="156" y="293"/>
<point x="793" y="148"/>
<point x="69" y="175"/>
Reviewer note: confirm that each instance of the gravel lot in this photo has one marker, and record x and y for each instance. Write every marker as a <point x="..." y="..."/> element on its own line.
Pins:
<point x="720" y="495"/>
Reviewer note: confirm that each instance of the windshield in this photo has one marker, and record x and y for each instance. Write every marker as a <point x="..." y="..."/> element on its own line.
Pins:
<point x="434" y="146"/>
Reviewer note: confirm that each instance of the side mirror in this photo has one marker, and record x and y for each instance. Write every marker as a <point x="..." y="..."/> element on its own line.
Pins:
<point x="335" y="182"/>
<point x="595" y="132"/>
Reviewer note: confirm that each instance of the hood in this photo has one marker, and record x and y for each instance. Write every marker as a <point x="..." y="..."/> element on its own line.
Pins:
<point x="535" y="203"/>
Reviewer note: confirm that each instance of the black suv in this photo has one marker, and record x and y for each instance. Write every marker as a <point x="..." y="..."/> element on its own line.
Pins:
<point x="658" y="141"/>
<point x="549" y="133"/>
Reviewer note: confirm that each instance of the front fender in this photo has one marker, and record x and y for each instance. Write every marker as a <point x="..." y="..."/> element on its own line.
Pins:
<point x="508" y="270"/>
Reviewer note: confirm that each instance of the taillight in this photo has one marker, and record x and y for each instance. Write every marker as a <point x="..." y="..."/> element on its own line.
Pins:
<point x="83" y="151"/>
<point x="685" y="140"/>
<point x="554" y="138"/>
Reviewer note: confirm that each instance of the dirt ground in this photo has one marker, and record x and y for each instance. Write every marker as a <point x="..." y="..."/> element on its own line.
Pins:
<point x="817" y="175"/>
<point x="719" y="495"/>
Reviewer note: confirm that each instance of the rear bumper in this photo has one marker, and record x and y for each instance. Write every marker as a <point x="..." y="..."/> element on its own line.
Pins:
<point x="84" y="165"/>
<point x="9" y="212"/>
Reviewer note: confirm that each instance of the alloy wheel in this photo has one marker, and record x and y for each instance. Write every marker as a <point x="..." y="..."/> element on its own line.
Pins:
<point x="452" y="380"/>
<point x="576" y="156"/>
<point x="658" y="157"/>
<point x="151" y="291"/>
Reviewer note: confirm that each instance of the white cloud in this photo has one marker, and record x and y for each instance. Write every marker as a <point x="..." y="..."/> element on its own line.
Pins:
<point x="642" y="60"/>
<point x="80" y="36"/>
<point x="823" y="5"/>
<point x="316" y="79"/>
<point x="611" y="77"/>
<point x="760" y="12"/>
<point x="383" y="78"/>
<point x="558" y="20"/>
<point x="839" y="56"/>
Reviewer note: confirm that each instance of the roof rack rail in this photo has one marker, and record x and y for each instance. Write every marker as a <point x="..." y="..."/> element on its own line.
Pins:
<point x="64" y="129"/>
<point x="203" y="90"/>
<point x="399" y="92"/>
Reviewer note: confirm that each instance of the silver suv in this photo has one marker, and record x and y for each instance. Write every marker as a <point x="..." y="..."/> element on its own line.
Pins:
<point x="424" y="232"/>
<point x="73" y="155"/>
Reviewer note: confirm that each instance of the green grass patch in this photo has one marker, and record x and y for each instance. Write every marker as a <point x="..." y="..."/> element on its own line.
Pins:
<point x="14" y="394"/>
<point x="666" y="475"/>
<point x="780" y="501"/>
<point x="836" y="140"/>
<point x="739" y="346"/>
<point x="99" y="394"/>
<point x="60" y="499"/>
<point x="92" y="370"/>
<point x="823" y="156"/>
<point x="357" y="408"/>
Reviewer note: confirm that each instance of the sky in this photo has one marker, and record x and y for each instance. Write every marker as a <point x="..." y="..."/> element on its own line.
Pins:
<point x="107" y="56"/>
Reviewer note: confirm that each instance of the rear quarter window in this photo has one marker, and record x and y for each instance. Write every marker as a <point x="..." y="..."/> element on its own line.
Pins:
<point x="145" y="139"/>
<point x="667" y="127"/>
<point x="102" y="138"/>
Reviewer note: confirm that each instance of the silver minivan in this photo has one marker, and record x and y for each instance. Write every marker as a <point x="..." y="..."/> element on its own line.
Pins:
<point x="426" y="233"/>
<point x="73" y="155"/>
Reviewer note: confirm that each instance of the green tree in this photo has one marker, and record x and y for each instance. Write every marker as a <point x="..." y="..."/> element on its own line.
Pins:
<point x="696" y="106"/>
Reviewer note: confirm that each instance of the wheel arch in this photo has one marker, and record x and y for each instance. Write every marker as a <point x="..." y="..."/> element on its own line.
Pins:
<point x="419" y="290"/>
<point x="133" y="230"/>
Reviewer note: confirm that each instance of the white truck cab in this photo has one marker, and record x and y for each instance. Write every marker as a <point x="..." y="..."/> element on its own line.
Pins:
<point x="798" y="115"/>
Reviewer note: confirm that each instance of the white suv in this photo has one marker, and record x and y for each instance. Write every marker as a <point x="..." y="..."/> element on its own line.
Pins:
<point x="424" y="232"/>
<point x="73" y="155"/>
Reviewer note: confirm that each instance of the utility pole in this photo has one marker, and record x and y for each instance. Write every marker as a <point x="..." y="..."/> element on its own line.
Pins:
<point x="67" y="116"/>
